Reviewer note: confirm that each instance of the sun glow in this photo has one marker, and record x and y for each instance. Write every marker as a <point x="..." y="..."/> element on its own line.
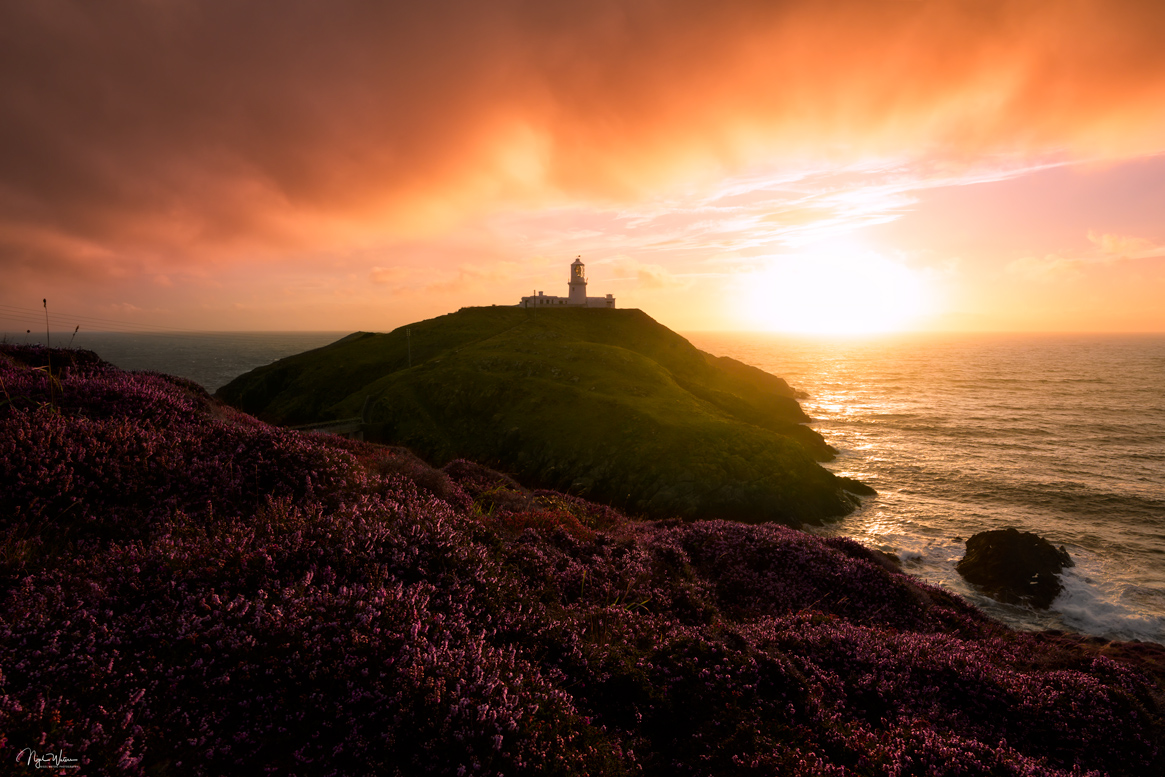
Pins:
<point x="846" y="290"/>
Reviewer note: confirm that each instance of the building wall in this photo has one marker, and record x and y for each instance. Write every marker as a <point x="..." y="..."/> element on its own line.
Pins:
<point x="546" y="301"/>
<point x="577" y="289"/>
<point x="543" y="301"/>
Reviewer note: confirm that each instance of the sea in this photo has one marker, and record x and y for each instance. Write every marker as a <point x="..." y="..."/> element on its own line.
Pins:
<point x="211" y="359"/>
<point x="1061" y="435"/>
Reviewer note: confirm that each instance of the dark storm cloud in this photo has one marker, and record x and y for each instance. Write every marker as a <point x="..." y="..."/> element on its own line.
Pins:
<point x="180" y="128"/>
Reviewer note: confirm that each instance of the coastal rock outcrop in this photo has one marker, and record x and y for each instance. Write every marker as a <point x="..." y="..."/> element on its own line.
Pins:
<point x="1015" y="567"/>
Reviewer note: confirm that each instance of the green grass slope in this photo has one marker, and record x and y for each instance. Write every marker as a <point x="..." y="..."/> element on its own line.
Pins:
<point x="603" y="403"/>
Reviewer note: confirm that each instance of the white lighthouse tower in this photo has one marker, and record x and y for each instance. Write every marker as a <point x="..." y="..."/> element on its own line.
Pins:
<point x="578" y="283"/>
<point x="576" y="296"/>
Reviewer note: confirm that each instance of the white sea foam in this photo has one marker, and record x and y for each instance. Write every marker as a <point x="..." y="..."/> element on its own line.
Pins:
<point x="1096" y="608"/>
<point x="911" y="557"/>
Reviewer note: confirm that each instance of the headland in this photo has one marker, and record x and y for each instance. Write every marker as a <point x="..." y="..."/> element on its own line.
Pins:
<point x="602" y="403"/>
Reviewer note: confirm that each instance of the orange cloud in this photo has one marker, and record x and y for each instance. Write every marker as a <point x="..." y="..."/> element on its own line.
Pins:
<point x="1125" y="246"/>
<point x="1051" y="267"/>
<point x="1109" y="250"/>
<point x="383" y="275"/>
<point x="648" y="276"/>
<point x="143" y="134"/>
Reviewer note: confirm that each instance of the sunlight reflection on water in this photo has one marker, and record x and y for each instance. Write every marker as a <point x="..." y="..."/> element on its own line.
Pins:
<point x="1060" y="435"/>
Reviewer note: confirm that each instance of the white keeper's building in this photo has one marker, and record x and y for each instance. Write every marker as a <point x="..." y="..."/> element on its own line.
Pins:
<point x="576" y="295"/>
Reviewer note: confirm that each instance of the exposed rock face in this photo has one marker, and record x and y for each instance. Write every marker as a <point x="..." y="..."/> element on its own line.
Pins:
<point x="1015" y="567"/>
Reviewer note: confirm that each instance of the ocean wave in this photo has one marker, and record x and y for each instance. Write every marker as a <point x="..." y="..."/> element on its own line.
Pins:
<point x="1087" y="607"/>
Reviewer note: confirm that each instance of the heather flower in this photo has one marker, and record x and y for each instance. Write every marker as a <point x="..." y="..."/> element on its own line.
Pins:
<point x="190" y="591"/>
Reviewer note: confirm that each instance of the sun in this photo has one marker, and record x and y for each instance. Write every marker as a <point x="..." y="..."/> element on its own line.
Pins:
<point x="840" y="291"/>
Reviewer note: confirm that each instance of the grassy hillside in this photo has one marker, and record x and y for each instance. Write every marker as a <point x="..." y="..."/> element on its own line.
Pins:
<point x="608" y="404"/>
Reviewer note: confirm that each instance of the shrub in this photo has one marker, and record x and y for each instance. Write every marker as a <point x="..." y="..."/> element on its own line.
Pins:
<point x="190" y="592"/>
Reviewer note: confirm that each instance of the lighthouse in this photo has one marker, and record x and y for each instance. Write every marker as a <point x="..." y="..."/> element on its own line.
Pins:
<point x="576" y="294"/>
<point x="578" y="283"/>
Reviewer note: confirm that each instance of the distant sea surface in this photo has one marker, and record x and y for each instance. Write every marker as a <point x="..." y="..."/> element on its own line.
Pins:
<point x="211" y="359"/>
<point x="1060" y="435"/>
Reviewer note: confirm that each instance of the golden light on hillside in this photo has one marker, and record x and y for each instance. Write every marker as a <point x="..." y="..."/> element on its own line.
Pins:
<point x="845" y="291"/>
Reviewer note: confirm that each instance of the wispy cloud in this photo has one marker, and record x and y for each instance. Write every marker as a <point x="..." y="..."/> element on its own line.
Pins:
<point x="382" y="275"/>
<point x="1050" y="267"/>
<point x="648" y="276"/>
<point x="1106" y="249"/>
<point x="1125" y="246"/>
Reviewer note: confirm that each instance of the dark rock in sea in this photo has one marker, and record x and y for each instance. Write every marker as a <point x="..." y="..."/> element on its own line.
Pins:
<point x="1015" y="567"/>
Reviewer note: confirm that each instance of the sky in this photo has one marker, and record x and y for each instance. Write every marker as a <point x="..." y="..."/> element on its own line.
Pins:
<point x="821" y="166"/>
